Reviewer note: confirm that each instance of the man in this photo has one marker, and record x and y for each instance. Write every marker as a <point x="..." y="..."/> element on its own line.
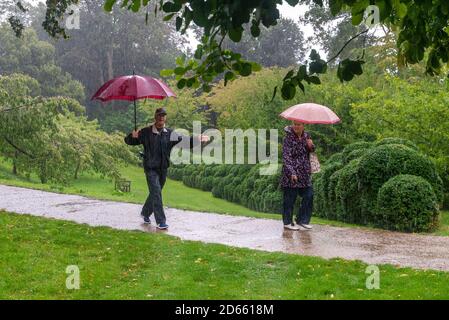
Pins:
<point x="296" y="176"/>
<point x="158" y="142"/>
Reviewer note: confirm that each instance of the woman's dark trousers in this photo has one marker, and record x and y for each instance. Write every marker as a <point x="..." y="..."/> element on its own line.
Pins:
<point x="305" y="210"/>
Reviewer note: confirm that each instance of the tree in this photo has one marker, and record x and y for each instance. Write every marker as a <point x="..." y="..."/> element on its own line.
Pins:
<point x="29" y="55"/>
<point x="332" y="32"/>
<point x="51" y="137"/>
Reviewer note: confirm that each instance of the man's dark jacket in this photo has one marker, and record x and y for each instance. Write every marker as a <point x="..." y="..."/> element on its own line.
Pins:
<point x="157" y="146"/>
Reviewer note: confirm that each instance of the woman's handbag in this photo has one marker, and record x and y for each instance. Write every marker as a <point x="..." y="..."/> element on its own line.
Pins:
<point x="314" y="163"/>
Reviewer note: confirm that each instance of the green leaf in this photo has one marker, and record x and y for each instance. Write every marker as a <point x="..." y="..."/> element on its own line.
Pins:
<point x="335" y="6"/>
<point x="178" y="23"/>
<point x="168" y="17"/>
<point x="166" y="72"/>
<point x="246" y="69"/>
<point x="288" y="75"/>
<point x="181" y="83"/>
<point x="314" y="80"/>
<point x="276" y="89"/>
<point x="180" y="60"/>
<point x="135" y="6"/>
<point x="229" y="76"/>
<point x="109" y="4"/>
<point x="314" y="55"/>
<point x="198" y="52"/>
<point x="235" y="34"/>
<point x="255" y="30"/>
<point x="180" y="71"/>
<point x="288" y="91"/>
<point x="302" y="72"/>
<point x="357" y="19"/>
<point x="292" y="2"/>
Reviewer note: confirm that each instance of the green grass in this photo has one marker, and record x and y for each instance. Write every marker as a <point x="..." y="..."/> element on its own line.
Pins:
<point x="175" y="195"/>
<point x="113" y="264"/>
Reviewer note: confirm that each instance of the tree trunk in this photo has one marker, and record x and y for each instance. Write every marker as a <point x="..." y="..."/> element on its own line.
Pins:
<point x="14" y="165"/>
<point x="77" y="169"/>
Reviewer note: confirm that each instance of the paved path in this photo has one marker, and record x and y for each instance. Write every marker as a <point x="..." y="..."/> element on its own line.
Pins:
<point x="370" y="246"/>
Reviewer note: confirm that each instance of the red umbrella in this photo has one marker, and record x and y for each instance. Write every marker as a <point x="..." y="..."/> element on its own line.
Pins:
<point x="310" y="113"/>
<point x="131" y="88"/>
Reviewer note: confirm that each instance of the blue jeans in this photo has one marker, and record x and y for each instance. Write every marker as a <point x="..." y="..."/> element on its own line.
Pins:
<point x="155" y="180"/>
<point x="305" y="211"/>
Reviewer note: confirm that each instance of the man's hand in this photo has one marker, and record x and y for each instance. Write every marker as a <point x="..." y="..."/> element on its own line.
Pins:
<point x="204" y="138"/>
<point x="135" y="134"/>
<point x="295" y="178"/>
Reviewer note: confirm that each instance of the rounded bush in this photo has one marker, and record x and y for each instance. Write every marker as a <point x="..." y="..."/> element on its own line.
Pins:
<point x="404" y="142"/>
<point x="407" y="203"/>
<point x="355" y="154"/>
<point x="386" y="161"/>
<point x="360" y="145"/>
<point x="336" y="157"/>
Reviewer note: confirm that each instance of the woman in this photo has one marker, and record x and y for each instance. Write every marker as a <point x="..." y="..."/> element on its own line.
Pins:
<point x="296" y="176"/>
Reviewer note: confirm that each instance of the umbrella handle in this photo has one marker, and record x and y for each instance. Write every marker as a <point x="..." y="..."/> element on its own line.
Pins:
<point x="135" y="116"/>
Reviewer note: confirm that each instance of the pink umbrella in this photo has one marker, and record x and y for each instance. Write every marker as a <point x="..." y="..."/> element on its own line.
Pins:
<point x="310" y="113"/>
<point x="131" y="88"/>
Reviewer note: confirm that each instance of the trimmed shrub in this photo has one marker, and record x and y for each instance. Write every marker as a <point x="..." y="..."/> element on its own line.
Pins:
<point x="361" y="145"/>
<point x="348" y="194"/>
<point x="386" y="161"/>
<point x="331" y="195"/>
<point x="404" y="142"/>
<point x="323" y="208"/>
<point x="407" y="203"/>
<point x="355" y="154"/>
<point x="336" y="157"/>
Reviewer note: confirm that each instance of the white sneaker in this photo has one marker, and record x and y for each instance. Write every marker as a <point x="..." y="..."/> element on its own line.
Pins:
<point x="306" y="226"/>
<point x="290" y="227"/>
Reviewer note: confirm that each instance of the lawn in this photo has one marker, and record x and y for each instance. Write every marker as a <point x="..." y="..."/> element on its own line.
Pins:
<point x="175" y="195"/>
<point x="117" y="264"/>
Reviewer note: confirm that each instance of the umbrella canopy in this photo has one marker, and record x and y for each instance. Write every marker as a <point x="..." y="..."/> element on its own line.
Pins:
<point x="131" y="88"/>
<point x="310" y="113"/>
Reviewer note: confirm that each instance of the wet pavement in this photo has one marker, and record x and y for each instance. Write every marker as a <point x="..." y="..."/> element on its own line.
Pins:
<point x="370" y="246"/>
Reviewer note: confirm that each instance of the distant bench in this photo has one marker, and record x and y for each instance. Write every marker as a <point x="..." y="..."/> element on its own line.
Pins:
<point x="123" y="185"/>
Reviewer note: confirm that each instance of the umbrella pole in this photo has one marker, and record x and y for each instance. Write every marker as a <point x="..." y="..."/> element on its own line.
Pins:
<point x="135" y="116"/>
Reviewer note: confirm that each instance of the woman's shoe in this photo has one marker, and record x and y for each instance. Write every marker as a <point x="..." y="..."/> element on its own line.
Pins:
<point x="291" y="227"/>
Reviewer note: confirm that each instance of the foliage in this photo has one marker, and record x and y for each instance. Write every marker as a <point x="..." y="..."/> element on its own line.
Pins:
<point x="31" y="56"/>
<point x="51" y="137"/>
<point x="348" y="191"/>
<point x="422" y="34"/>
<point x="408" y="203"/>
<point x="411" y="109"/>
